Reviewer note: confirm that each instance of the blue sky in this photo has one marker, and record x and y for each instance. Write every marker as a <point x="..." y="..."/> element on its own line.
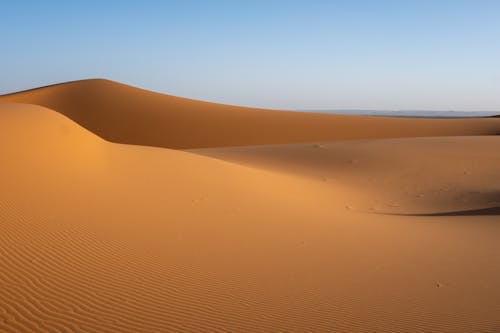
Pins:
<point x="351" y="54"/>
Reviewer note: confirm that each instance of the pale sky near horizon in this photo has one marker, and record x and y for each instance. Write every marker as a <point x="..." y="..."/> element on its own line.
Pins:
<point x="350" y="54"/>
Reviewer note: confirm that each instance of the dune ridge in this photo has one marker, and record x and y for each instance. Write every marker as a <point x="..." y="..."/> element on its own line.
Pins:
<point x="124" y="114"/>
<point x="341" y="236"/>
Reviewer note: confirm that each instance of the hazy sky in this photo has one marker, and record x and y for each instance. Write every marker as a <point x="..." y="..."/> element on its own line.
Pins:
<point x="372" y="54"/>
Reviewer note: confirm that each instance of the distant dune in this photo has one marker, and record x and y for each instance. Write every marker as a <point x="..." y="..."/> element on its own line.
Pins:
<point x="384" y="231"/>
<point x="412" y="113"/>
<point x="125" y="114"/>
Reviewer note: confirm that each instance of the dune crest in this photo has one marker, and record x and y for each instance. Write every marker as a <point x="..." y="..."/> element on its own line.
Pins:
<point x="124" y="114"/>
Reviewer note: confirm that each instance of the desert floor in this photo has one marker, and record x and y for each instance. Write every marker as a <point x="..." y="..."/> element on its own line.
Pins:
<point x="124" y="210"/>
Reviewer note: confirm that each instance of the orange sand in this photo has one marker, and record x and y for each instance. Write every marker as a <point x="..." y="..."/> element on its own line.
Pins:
<point x="379" y="235"/>
<point x="124" y="114"/>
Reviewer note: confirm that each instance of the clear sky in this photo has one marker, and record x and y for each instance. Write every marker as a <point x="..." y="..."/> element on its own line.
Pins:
<point x="309" y="54"/>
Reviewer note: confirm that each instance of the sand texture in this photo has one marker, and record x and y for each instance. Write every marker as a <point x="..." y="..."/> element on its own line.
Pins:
<point x="123" y="210"/>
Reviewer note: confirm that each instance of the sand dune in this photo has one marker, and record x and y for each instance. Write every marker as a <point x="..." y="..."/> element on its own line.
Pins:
<point x="435" y="175"/>
<point x="124" y="114"/>
<point x="98" y="236"/>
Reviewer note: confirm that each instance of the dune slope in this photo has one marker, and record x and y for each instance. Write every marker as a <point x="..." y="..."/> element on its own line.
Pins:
<point x="437" y="175"/>
<point x="100" y="237"/>
<point x="125" y="114"/>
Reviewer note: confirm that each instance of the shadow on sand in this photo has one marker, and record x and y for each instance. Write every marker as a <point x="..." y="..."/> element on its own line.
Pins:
<point x="490" y="211"/>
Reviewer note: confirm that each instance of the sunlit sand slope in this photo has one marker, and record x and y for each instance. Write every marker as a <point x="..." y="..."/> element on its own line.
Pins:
<point x="125" y="114"/>
<point x="103" y="237"/>
<point x="439" y="175"/>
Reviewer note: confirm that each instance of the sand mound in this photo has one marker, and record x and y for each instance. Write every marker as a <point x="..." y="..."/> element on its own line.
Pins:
<point x="124" y="114"/>
<point x="439" y="175"/>
<point x="103" y="237"/>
